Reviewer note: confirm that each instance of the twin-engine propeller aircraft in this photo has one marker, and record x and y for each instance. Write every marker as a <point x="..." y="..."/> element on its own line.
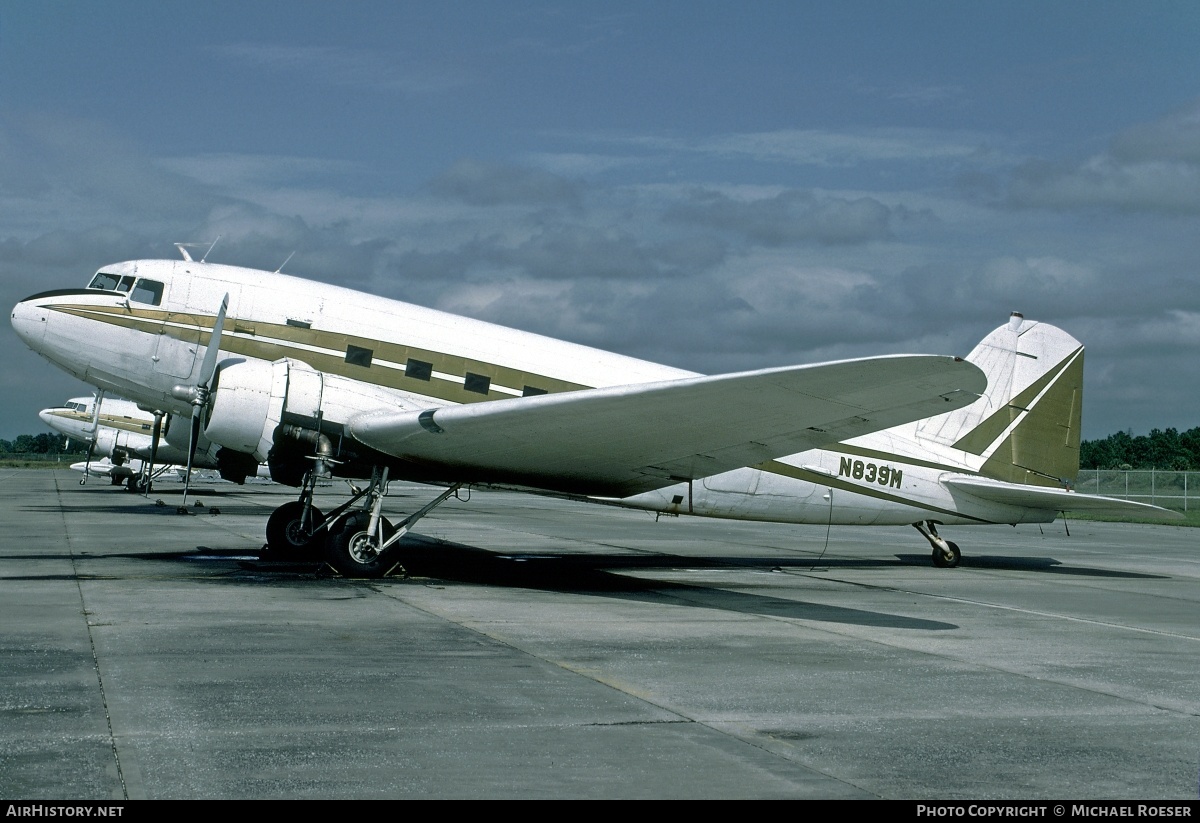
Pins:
<point x="122" y="436"/>
<point x="321" y="381"/>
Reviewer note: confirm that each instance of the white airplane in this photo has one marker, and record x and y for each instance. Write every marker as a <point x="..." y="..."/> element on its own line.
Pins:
<point x="319" y="380"/>
<point x="123" y="434"/>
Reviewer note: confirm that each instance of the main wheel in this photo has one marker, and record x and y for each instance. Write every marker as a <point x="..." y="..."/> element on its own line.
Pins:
<point x="354" y="551"/>
<point x="287" y="539"/>
<point x="942" y="562"/>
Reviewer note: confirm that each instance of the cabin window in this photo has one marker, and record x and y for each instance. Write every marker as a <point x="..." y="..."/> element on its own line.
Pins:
<point x="299" y="324"/>
<point x="477" y="383"/>
<point x="147" y="291"/>
<point x="418" y="370"/>
<point x="530" y="391"/>
<point x="358" y="356"/>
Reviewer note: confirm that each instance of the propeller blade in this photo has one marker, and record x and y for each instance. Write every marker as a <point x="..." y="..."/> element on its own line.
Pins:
<point x="192" y="438"/>
<point x="207" y="369"/>
<point x="155" y="436"/>
<point x="209" y="366"/>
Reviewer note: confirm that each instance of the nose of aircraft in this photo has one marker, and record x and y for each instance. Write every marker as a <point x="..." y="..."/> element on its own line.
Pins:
<point x="29" y="322"/>
<point x="46" y="416"/>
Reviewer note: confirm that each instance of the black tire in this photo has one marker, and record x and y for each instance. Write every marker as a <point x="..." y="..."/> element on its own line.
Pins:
<point x="354" y="553"/>
<point x="286" y="540"/>
<point x="942" y="562"/>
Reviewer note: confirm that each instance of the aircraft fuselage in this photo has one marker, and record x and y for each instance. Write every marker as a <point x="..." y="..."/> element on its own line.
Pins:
<point x="314" y="353"/>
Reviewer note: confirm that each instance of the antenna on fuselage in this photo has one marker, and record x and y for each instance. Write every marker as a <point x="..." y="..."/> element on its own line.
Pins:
<point x="183" y="249"/>
<point x="284" y="263"/>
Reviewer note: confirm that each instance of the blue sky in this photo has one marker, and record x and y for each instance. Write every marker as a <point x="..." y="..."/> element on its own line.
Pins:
<point x="714" y="185"/>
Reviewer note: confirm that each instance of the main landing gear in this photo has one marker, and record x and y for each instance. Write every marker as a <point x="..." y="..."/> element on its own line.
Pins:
<point x="355" y="542"/>
<point x="945" y="553"/>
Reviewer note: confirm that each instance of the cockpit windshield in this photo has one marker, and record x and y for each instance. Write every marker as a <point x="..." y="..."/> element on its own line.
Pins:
<point x="112" y="282"/>
<point x="146" y="291"/>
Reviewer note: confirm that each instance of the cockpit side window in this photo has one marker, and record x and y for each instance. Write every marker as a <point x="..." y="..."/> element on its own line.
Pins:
<point x="147" y="291"/>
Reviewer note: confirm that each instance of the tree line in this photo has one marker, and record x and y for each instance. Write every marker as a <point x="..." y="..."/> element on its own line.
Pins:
<point x="47" y="444"/>
<point x="1167" y="449"/>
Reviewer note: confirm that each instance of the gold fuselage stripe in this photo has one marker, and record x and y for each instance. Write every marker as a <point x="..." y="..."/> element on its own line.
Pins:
<point x="107" y="421"/>
<point x="325" y="351"/>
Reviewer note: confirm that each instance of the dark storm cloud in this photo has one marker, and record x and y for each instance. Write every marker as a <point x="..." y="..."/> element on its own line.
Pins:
<point x="788" y="217"/>
<point x="491" y="184"/>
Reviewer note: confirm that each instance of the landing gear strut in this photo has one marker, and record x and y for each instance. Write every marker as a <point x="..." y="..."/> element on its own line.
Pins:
<point x="945" y="553"/>
<point x="365" y="543"/>
<point x="296" y="530"/>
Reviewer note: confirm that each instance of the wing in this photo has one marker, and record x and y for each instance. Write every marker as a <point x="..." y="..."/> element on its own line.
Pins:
<point x="1044" y="497"/>
<point x="623" y="440"/>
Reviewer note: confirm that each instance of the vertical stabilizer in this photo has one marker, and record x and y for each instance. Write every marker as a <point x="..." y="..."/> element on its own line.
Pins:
<point x="1026" y="426"/>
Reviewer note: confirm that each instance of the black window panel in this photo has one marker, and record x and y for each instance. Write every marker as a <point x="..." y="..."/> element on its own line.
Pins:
<point x="477" y="383"/>
<point x="147" y="291"/>
<point x="358" y="356"/>
<point x="418" y="370"/>
<point x="530" y="391"/>
<point x="126" y="283"/>
<point x="300" y="324"/>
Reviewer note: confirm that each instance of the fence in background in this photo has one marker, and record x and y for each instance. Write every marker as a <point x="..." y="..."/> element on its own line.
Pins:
<point x="1169" y="489"/>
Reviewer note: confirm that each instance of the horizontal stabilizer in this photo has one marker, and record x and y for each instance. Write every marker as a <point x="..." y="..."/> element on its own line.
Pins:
<point x="623" y="440"/>
<point x="1043" y="497"/>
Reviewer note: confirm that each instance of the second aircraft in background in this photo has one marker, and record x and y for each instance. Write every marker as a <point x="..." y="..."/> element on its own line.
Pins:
<point x="121" y="443"/>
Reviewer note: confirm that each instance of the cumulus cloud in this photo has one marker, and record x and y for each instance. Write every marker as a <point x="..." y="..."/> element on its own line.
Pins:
<point x="1173" y="138"/>
<point x="1154" y="167"/>
<point x="837" y="148"/>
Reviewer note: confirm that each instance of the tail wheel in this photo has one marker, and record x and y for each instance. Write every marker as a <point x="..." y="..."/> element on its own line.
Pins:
<point x="942" y="562"/>
<point x="288" y="538"/>
<point x="354" y="551"/>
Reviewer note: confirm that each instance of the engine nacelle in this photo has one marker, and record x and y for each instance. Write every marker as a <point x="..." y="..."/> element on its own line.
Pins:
<point x="111" y="443"/>
<point x="246" y="405"/>
<point x="250" y="398"/>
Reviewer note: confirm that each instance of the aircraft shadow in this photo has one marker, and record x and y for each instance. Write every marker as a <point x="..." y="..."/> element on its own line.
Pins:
<point x="600" y="574"/>
<point x="1046" y="565"/>
<point x="596" y="575"/>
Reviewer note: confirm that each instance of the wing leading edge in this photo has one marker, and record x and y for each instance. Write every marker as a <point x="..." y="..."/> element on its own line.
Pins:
<point x="623" y="440"/>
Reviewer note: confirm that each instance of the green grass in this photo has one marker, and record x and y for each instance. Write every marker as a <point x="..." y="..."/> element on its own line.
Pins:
<point x="27" y="463"/>
<point x="1190" y="518"/>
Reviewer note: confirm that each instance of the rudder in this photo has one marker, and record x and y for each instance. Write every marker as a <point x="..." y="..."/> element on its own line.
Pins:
<point x="1026" y="427"/>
